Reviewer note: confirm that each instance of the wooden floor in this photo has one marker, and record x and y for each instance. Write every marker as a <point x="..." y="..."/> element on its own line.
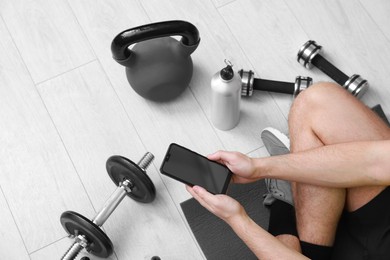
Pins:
<point x="66" y="106"/>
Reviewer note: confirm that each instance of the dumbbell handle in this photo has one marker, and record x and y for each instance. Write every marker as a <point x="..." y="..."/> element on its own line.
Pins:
<point x="325" y="66"/>
<point x="79" y="244"/>
<point x="115" y="199"/>
<point x="274" y="86"/>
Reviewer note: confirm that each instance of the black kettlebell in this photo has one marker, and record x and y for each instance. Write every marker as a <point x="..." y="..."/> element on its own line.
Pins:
<point x="158" y="67"/>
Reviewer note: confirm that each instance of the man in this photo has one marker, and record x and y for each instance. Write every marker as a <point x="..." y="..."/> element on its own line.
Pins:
<point x="339" y="168"/>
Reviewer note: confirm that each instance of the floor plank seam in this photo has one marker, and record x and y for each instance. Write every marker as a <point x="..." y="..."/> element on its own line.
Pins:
<point x="65" y="72"/>
<point x="81" y="28"/>
<point x="48" y="245"/>
<point x="296" y="19"/>
<point x="224" y="4"/>
<point x="26" y="67"/>
<point x="17" y="50"/>
<point x="235" y="38"/>
<point x="254" y="150"/>
<point x="373" y="20"/>
<point x="13" y="218"/>
<point x="280" y="109"/>
<point x="144" y="9"/>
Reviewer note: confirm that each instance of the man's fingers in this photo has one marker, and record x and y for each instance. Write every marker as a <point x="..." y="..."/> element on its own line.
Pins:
<point x="222" y="156"/>
<point x="205" y="195"/>
<point x="215" y="156"/>
<point x="199" y="198"/>
<point x="206" y="199"/>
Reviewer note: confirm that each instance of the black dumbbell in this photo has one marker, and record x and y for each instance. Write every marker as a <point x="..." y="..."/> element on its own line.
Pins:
<point x="308" y="55"/>
<point x="250" y="83"/>
<point x="132" y="180"/>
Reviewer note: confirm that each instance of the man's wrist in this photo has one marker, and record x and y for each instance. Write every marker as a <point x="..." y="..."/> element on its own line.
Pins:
<point x="238" y="221"/>
<point x="261" y="168"/>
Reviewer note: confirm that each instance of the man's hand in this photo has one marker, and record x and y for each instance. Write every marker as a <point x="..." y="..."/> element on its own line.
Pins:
<point x="241" y="165"/>
<point x="223" y="206"/>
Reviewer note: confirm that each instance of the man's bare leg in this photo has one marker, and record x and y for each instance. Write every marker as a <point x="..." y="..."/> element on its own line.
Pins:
<point x="327" y="114"/>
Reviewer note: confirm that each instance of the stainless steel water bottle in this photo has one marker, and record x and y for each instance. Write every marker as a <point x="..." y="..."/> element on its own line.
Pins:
<point x="225" y="98"/>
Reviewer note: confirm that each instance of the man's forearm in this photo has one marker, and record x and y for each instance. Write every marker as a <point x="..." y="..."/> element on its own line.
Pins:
<point x="260" y="242"/>
<point x="341" y="165"/>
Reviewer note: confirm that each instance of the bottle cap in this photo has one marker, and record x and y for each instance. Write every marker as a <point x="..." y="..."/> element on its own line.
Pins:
<point x="227" y="73"/>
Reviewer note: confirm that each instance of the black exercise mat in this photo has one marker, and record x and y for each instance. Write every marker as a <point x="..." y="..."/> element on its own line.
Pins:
<point x="214" y="236"/>
<point x="378" y="109"/>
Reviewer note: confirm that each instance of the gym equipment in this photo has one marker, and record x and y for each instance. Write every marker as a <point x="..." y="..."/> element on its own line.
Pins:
<point x="158" y="67"/>
<point x="133" y="182"/>
<point x="250" y="83"/>
<point x="308" y="55"/>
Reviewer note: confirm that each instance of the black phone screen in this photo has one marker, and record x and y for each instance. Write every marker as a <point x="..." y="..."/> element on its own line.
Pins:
<point x="191" y="168"/>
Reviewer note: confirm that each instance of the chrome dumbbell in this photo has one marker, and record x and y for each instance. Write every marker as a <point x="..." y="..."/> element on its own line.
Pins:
<point x="132" y="181"/>
<point x="308" y="56"/>
<point x="249" y="83"/>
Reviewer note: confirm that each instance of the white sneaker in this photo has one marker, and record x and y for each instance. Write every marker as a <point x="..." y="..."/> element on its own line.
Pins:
<point x="276" y="143"/>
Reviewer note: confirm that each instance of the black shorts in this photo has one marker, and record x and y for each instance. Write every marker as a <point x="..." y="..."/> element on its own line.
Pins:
<point x="365" y="233"/>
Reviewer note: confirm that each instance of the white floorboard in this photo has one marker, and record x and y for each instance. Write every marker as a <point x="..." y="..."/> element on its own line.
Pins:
<point x="47" y="36"/>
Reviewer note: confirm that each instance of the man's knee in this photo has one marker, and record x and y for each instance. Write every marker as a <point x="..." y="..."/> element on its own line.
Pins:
<point x="317" y="98"/>
<point x="318" y="95"/>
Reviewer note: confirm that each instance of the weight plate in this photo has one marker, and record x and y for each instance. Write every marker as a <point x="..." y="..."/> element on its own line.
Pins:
<point x="120" y="168"/>
<point x="98" y="242"/>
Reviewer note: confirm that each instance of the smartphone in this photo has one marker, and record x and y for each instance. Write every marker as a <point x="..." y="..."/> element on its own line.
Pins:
<point x="192" y="169"/>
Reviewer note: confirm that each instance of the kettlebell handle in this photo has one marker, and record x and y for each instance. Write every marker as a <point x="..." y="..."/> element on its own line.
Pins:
<point x="120" y="44"/>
